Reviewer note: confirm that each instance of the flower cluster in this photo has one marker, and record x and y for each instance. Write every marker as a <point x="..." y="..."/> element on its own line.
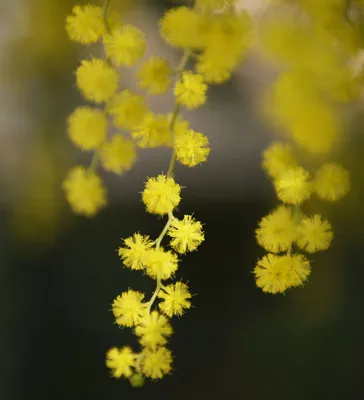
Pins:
<point x="315" y="78"/>
<point x="213" y="36"/>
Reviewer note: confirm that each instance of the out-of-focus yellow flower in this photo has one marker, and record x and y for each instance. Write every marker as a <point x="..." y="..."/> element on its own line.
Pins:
<point x="331" y="182"/>
<point x="277" y="231"/>
<point x="125" y="45"/>
<point x="294" y="186"/>
<point x="190" y="90"/>
<point x="96" y="80"/>
<point x="153" y="330"/>
<point x="315" y="234"/>
<point x="277" y="158"/>
<point x="127" y="109"/>
<point x="156" y="363"/>
<point x="87" y="127"/>
<point x="118" y="154"/>
<point x="84" y="191"/>
<point x="155" y="75"/>
<point x="153" y="131"/>
<point x="120" y="361"/>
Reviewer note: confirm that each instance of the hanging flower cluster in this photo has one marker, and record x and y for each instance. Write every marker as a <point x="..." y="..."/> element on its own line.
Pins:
<point x="313" y="44"/>
<point x="213" y="38"/>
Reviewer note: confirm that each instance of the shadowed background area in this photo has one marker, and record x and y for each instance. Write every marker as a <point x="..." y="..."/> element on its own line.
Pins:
<point x="60" y="273"/>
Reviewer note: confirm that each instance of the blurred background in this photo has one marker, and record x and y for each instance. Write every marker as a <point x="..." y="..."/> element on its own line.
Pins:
<point x="60" y="273"/>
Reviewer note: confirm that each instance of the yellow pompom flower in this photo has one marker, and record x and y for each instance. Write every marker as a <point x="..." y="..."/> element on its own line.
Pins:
<point x="277" y="231"/>
<point x="161" y="195"/>
<point x="118" y="154"/>
<point x="97" y="80"/>
<point x="87" y="127"/>
<point x="331" y="182"/>
<point x="153" y="131"/>
<point x="275" y="274"/>
<point x="175" y="299"/>
<point x="125" y="45"/>
<point x="191" y="148"/>
<point x="299" y="268"/>
<point x="155" y="75"/>
<point x="160" y="264"/>
<point x="271" y="274"/>
<point x="121" y="362"/>
<point x="315" y="234"/>
<point x="86" y="24"/>
<point x="186" y="234"/>
<point x="84" y="191"/>
<point x="293" y="186"/>
<point x="134" y="252"/>
<point x="129" y="309"/>
<point x="214" y="69"/>
<point x="156" y="363"/>
<point x="183" y="27"/>
<point x="190" y="90"/>
<point x="277" y="158"/>
<point x="153" y="330"/>
<point x="127" y="109"/>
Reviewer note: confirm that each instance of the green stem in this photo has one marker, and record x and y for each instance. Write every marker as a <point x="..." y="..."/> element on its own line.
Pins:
<point x="94" y="162"/>
<point x="105" y="14"/>
<point x="155" y="294"/>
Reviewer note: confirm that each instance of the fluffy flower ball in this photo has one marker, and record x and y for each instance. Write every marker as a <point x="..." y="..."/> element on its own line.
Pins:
<point x="192" y="148"/>
<point x="87" y="127"/>
<point x="84" y="191"/>
<point x="97" y="80"/>
<point x="294" y="186"/>
<point x="190" y="90"/>
<point x="161" y="195"/>
<point x="155" y="75"/>
<point x="186" y="234"/>
<point x="121" y="362"/>
<point x="331" y="182"/>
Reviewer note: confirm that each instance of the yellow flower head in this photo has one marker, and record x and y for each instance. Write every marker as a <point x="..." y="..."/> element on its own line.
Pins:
<point x="190" y="91"/>
<point x="277" y="158"/>
<point x="275" y="274"/>
<point x="183" y="27"/>
<point x="315" y="234"/>
<point x="118" y="154"/>
<point x="277" y="231"/>
<point x="331" y="182"/>
<point x="215" y="69"/>
<point x="155" y="75"/>
<point x="175" y="299"/>
<point x="129" y="309"/>
<point x="127" y="109"/>
<point x="153" y="330"/>
<point x="156" y="363"/>
<point x="87" y="127"/>
<point x="86" y="25"/>
<point x="186" y="234"/>
<point x="160" y="264"/>
<point x="134" y="252"/>
<point x="97" y="80"/>
<point x="84" y="191"/>
<point x="161" y="195"/>
<point x="153" y="131"/>
<point x="120" y="361"/>
<point x="293" y="186"/>
<point x="300" y="268"/>
<point x="191" y="148"/>
<point x="125" y="45"/>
